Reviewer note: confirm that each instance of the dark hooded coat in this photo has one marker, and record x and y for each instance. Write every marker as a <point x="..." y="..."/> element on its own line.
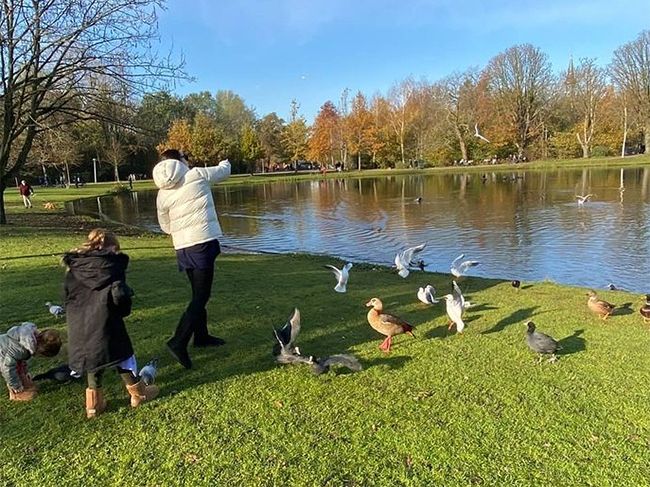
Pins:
<point x="96" y="300"/>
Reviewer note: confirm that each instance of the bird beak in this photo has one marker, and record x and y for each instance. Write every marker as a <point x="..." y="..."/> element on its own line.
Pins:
<point x="410" y="333"/>
<point x="369" y="303"/>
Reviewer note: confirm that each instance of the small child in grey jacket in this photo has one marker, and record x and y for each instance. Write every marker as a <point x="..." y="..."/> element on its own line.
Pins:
<point x="19" y="344"/>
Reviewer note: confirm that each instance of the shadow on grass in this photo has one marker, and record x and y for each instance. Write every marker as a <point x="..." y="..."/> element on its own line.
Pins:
<point x="623" y="309"/>
<point x="515" y="317"/>
<point x="392" y="362"/>
<point x="441" y="332"/>
<point x="573" y="343"/>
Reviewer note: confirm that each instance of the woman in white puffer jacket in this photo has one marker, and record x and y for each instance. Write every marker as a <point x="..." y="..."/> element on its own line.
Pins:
<point x="186" y="211"/>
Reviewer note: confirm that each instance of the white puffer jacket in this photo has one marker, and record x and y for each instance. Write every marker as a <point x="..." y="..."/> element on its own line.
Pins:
<point x="185" y="205"/>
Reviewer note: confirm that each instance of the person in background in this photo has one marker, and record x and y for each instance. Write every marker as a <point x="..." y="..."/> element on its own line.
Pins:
<point x="26" y="192"/>
<point x="186" y="211"/>
<point x="19" y="344"/>
<point x="97" y="299"/>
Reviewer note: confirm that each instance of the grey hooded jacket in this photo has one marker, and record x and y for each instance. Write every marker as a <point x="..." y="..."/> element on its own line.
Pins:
<point x="19" y="343"/>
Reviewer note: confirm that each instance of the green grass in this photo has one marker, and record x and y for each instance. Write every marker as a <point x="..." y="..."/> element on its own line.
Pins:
<point x="440" y="409"/>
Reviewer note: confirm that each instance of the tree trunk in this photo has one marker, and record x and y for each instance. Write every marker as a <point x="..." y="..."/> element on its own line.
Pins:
<point x="359" y="160"/>
<point x="3" y="215"/>
<point x="461" y="143"/>
<point x="67" y="175"/>
<point x="624" y="131"/>
<point x="646" y="134"/>
<point x="117" y="173"/>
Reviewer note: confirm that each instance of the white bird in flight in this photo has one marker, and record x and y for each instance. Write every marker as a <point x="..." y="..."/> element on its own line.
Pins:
<point x="404" y="260"/>
<point x="428" y="294"/>
<point x="55" y="309"/>
<point x="342" y="276"/>
<point x="477" y="134"/>
<point x="459" y="269"/>
<point x="583" y="199"/>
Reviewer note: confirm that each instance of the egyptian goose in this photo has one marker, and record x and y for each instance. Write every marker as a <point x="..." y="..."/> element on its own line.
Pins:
<point x="386" y="324"/>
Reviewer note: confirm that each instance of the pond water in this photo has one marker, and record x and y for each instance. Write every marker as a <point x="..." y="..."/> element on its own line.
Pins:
<point x="522" y="225"/>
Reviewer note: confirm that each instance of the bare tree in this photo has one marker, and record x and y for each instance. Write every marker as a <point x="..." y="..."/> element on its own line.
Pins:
<point x="630" y="70"/>
<point x="402" y="112"/>
<point x="52" y="55"/>
<point x="520" y="78"/>
<point x="455" y="94"/>
<point x="586" y="88"/>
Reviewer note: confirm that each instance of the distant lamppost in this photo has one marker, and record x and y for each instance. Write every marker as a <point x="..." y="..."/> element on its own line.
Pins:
<point x="95" y="168"/>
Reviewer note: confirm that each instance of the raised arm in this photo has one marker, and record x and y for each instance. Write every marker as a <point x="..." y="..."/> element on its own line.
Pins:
<point x="216" y="173"/>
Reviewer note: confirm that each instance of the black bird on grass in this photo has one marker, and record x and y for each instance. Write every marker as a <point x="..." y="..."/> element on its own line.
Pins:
<point x="516" y="284"/>
<point x="62" y="374"/>
<point x="541" y="343"/>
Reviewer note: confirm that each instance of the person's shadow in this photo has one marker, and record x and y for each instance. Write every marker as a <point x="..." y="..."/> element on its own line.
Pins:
<point x="573" y="343"/>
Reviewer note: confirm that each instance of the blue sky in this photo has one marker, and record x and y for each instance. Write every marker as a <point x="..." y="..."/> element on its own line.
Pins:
<point x="272" y="51"/>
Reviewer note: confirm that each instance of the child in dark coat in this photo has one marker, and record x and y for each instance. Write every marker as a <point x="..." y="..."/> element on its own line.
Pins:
<point x="18" y="345"/>
<point x="96" y="301"/>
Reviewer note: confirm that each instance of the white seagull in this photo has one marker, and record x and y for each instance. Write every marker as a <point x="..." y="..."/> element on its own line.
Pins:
<point x="583" y="199"/>
<point x="459" y="269"/>
<point x="477" y="134"/>
<point x="342" y="276"/>
<point x="404" y="260"/>
<point x="454" y="312"/>
<point x="428" y="294"/>
<point x="458" y="295"/>
<point x="55" y="309"/>
<point x="149" y="371"/>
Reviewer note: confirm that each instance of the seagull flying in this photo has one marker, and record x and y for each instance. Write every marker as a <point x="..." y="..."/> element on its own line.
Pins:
<point x="583" y="199"/>
<point x="55" y="309"/>
<point x="285" y="351"/>
<point x="477" y="134"/>
<point x="404" y="260"/>
<point x="428" y="294"/>
<point x="342" y="276"/>
<point x="459" y="269"/>
<point x="149" y="371"/>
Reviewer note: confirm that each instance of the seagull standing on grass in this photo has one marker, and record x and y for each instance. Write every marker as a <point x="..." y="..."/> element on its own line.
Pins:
<point x="404" y="260"/>
<point x="459" y="269"/>
<point x="55" y="309"/>
<point x="455" y="310"/>
<point x="342" y="276"/>
<point x="477" y="134"/>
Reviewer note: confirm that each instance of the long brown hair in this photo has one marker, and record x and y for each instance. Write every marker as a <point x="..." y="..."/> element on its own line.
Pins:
<point x="98" y="239"/>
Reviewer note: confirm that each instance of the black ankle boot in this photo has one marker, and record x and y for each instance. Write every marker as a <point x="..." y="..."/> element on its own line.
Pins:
<point x="208" y="341"/>
<point x="180" y="354"/>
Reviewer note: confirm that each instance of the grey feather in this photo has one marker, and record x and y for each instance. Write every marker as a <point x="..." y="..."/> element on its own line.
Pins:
<point x="322" y="365"/>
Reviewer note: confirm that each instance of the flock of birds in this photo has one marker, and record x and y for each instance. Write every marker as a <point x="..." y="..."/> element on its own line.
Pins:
<point x="391" y="325"/>
<point x="286" y="351"/>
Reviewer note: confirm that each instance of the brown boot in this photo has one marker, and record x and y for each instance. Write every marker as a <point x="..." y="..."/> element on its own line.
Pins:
<point x="24" y="395"/>
<point x="95" y="402"/>
<point x="140" y="393"/>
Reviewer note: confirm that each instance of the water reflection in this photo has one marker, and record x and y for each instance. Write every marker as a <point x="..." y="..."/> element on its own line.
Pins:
<point x="523" y="225"/>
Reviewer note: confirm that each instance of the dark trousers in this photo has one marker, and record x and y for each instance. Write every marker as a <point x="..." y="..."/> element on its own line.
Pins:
<point x="195" y="319"/>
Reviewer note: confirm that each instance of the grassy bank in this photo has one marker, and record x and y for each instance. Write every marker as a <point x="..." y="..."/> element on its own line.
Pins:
<point x="58" y="196"/>
<point x="440" y="409"/>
